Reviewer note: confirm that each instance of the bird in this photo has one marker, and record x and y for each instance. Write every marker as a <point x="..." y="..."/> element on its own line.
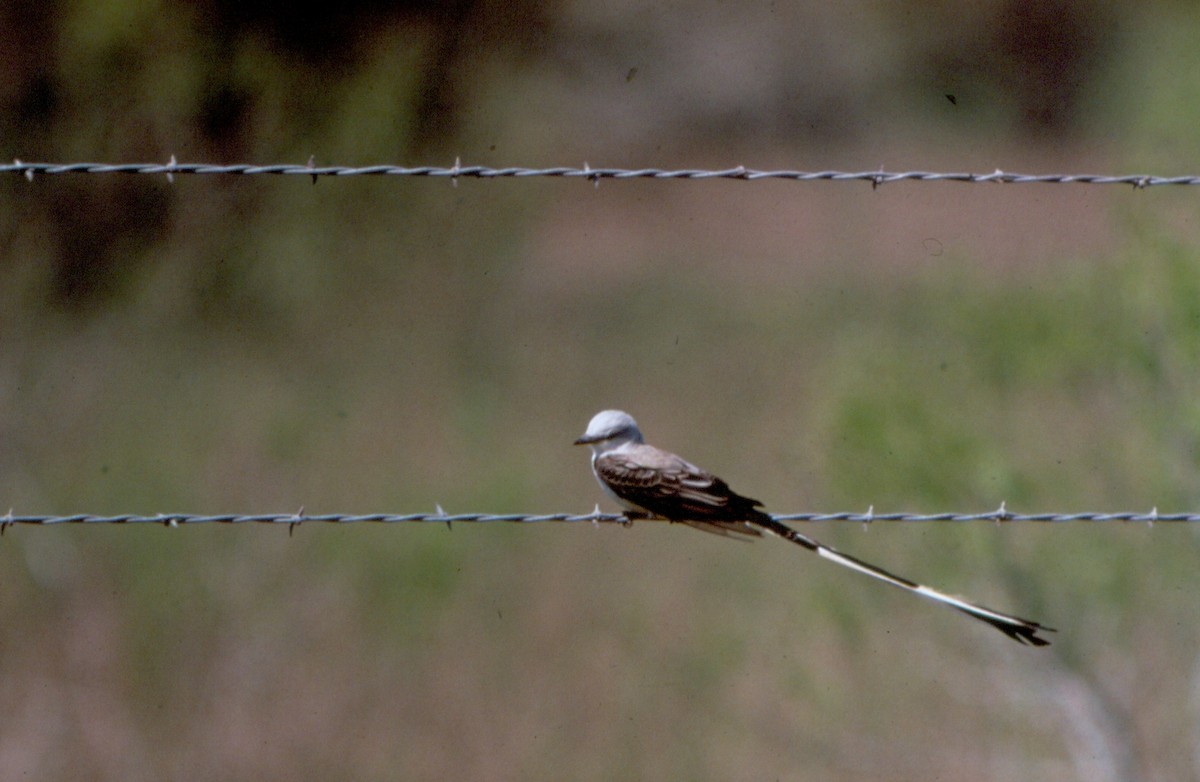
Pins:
<point x="648" y="482"/>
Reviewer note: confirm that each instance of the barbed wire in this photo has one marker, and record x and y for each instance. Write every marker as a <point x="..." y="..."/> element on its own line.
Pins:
<point x="458" y="171"/>
<point x="1000" y="515"/>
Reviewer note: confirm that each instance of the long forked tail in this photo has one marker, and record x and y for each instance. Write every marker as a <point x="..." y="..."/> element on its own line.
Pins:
<point x="1020" y="630"/>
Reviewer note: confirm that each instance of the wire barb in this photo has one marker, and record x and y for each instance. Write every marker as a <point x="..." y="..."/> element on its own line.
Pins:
<point x="297" y="517"/>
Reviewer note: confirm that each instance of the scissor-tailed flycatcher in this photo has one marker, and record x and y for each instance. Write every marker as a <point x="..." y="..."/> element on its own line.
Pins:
<point x="649" y="482"/>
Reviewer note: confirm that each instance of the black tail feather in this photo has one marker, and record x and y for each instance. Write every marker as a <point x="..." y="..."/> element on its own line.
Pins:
<point x="1023" y="631"/>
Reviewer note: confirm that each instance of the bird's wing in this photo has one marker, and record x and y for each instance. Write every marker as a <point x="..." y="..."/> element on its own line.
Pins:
<point x="670" y="487"/>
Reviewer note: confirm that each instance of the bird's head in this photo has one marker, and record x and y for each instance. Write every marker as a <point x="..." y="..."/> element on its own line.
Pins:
<point x="610" y="429"/>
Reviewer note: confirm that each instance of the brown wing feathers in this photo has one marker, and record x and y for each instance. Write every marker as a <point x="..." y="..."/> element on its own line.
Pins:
<point x="678" y="491"/>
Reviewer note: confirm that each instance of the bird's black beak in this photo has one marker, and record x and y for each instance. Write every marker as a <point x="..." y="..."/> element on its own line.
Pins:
<point x="584" y="440"/>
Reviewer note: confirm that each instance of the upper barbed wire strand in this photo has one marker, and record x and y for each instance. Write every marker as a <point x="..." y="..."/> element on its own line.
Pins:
<point x="457" y="171"/>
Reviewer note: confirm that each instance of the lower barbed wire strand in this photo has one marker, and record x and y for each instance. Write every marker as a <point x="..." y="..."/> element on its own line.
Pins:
<point x="1001" y="515"/>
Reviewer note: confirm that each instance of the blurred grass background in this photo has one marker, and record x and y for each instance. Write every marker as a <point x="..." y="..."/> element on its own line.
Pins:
<point x="261" y="344"/>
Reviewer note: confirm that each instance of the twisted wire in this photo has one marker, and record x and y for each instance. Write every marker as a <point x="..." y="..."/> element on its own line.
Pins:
<point x="1001" y="515"/>
<point x="458" y="171"/>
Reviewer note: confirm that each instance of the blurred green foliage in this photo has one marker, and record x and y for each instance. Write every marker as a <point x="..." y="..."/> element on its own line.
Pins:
<point x="361" y="345"/>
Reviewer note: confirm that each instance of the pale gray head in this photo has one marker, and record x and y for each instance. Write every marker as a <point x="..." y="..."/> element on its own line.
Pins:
<point x="610" y="429"/>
